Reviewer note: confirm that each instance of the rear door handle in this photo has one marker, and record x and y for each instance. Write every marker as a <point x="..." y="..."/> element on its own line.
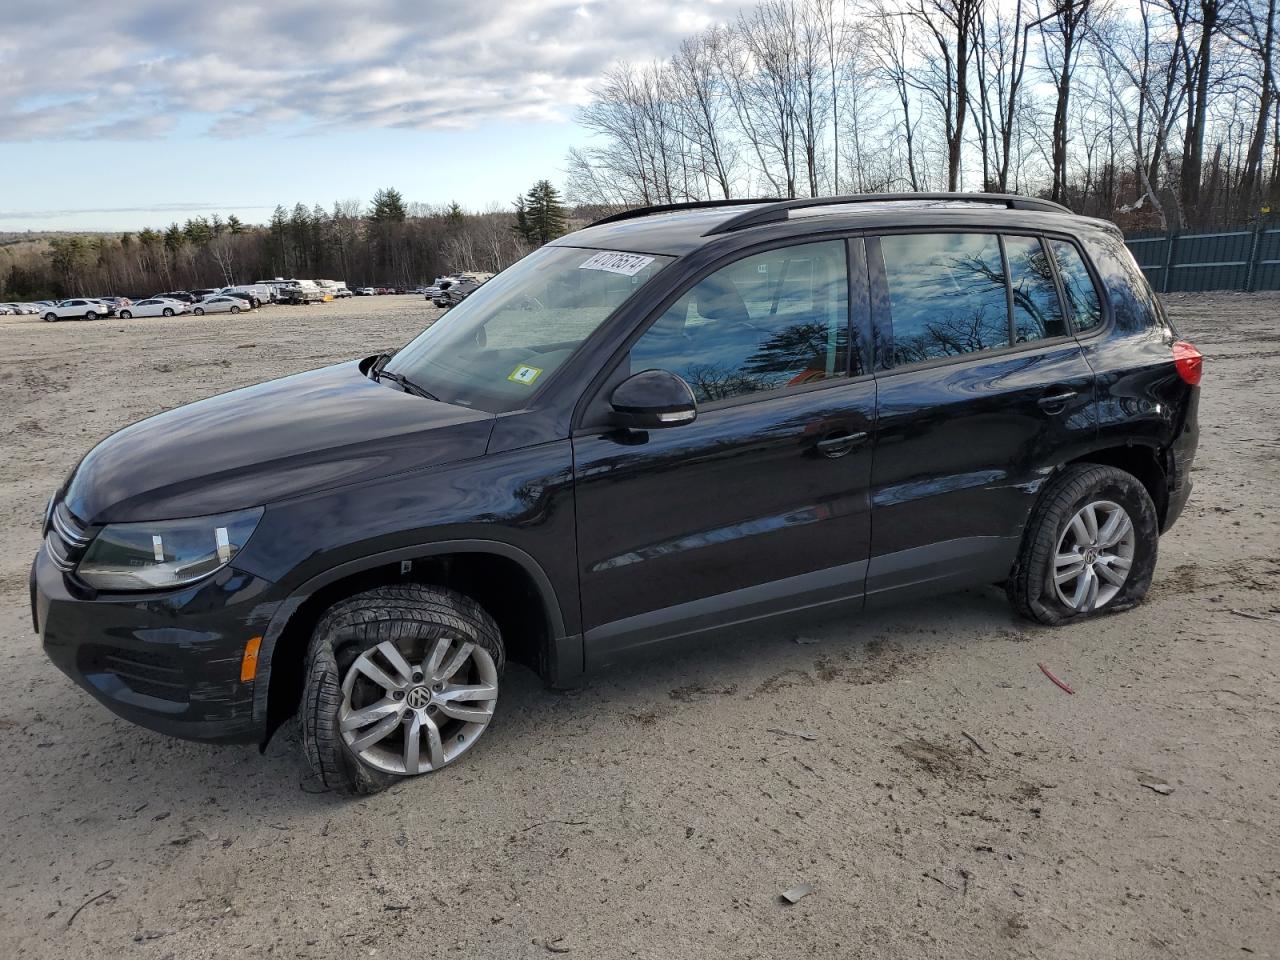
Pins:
<point x="840" y="444"/>
<point x="1056" y="402"/>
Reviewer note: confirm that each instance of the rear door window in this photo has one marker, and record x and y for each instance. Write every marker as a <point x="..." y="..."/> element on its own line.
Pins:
<point x="1077" y="286"/>
<point x="946" y="294"/>
<point x="1037" y="311"/>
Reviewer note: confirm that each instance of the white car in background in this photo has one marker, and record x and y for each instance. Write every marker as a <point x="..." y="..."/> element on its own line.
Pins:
<point x="76" y="310"/>
<point x="219" y="304"/>
<point x="19" y="308"/>
<point x="155" y="307"/>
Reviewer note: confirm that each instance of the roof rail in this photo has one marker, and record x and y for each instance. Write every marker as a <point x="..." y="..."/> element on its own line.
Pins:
<point x="635" y="212"/>
<point x="779" y="210"/>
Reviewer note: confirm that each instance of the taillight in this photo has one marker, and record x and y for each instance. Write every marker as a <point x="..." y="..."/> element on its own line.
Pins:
<point x="1189" y="361"/>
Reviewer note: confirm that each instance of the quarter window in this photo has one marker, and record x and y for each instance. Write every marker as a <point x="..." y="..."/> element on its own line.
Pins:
<point x="769" y="321"/>
<point x="1037" y="311"/>
<point x="946" y="295"/>
<point x="1077" y="285"/>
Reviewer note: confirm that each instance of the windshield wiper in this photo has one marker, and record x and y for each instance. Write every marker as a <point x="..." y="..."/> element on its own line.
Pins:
<point x="405" y="384"/>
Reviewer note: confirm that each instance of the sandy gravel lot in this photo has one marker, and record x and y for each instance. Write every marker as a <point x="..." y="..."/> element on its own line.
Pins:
<point x="652" y="814"/>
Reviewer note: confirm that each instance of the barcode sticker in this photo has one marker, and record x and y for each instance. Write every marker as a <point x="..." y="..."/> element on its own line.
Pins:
<point x="627" y="264"/>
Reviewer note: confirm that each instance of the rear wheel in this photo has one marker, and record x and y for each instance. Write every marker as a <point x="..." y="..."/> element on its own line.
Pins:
<point x="168" y="311"/>
<point x="398" y="681"/>
<point x="235" y="309"/>
<point x="90" y="315"/>
<point x="198" y="311"/>
<point x="1090" y="547"/>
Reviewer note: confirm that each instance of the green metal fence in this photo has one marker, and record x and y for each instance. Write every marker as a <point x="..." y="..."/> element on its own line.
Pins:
<point x="1246" y="258"/>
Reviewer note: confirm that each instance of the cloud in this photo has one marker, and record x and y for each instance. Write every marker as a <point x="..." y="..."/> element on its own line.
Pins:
<point x="195" y="207"/>
<point x="132" y="68"/>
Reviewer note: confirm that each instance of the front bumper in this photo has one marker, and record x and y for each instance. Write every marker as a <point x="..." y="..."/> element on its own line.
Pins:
<point x="166" y="661"/>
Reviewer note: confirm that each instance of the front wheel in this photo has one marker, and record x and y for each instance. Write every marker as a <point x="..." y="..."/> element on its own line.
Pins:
<point x="1090" y="547"/>
<point x="398" y="681"/>
<point x="126" y="315"/>
<point x="198" y="311"/>
<point x="50" y="318"/>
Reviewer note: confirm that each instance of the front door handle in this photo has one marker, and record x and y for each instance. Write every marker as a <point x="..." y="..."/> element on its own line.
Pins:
<point x="1056" y="402"/>
<point x="840" y="444"/>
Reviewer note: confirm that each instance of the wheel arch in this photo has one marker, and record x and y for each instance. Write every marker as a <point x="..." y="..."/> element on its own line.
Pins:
<point x="509" y="583"/>
<point x="1144" y="461"/>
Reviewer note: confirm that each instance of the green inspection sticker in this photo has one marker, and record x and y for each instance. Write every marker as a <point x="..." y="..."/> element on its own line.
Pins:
<point x="525" y="374"/>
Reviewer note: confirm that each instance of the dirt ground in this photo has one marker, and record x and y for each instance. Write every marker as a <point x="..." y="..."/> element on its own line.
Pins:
<point x="946" y="800"/>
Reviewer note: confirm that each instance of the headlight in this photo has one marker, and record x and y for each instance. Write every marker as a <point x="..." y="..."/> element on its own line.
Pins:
<point x="166" y="553"/>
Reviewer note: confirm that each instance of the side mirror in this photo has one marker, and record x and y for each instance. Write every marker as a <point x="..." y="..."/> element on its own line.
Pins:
<point x="652" y="399"/>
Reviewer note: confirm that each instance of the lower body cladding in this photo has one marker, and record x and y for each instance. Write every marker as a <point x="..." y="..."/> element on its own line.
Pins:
<point x="174" y="663"/>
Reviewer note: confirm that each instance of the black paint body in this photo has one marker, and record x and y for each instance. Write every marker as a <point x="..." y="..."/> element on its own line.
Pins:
<point x="883" y="484"/>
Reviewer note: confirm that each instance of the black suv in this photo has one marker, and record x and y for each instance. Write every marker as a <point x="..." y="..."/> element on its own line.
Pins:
<point x="675" y="421"/>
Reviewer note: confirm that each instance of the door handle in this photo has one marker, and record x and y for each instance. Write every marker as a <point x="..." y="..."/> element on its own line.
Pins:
<point x="840" y="444"/>
<point x="1056" y="402"/>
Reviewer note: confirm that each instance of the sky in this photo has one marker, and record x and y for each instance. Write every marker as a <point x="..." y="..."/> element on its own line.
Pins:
<point x="119" y="114"/>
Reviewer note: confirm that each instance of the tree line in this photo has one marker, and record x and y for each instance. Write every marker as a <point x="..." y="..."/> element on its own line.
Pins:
<point x="389" y="243"/>
<point x="1154" y="113"/>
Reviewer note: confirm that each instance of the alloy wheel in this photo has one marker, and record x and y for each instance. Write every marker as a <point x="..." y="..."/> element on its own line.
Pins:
<point x="408" y="718"/>
<point x="1094" y="555"/>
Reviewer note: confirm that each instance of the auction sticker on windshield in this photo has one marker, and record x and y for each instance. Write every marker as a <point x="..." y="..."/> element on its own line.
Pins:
<point x="525" y="374"/>
<point x="627" y="264"/>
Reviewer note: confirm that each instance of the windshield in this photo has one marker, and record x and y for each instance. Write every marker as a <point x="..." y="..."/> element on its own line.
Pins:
<point x="495" y="348"/>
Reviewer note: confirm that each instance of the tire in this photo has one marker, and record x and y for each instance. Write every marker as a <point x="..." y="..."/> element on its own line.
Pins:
<point x="235" y="309"/>
<point x="168" y="311"/>
<point x="1055" y="546"/>
<point x="91" y="315"/>
<point x="50" y="317"/>
<point x="198" y="311"/>
<point x="126" y="315"/>
<point x="415" y="620"/>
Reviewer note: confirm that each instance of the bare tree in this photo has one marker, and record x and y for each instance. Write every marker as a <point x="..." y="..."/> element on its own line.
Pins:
<point x="947" y="30"/>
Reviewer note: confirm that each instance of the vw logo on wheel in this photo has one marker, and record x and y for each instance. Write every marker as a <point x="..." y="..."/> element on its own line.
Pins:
<point x="418" y="697"/>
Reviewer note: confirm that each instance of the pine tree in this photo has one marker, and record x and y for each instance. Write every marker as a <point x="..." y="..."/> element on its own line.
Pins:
<point x="540" y="216"/>
<point x="234" y="224"/>
<point x="521" y="226"/>
<point x="174" y="238"/>
<point x="388" y="207"/>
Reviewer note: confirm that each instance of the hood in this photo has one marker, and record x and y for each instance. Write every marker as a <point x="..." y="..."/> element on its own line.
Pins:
<point x="297" y="435"/>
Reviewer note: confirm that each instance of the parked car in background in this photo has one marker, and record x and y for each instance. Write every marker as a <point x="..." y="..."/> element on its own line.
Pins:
<point x="78" y="309"/>
<point x="201" y="294"/>
<point x="220" y="304"/>
<point x="342" y="292"/>
<point x="440" y="286"/>
<point x="21" y="308"/>
<point x="366" y="292"/>
<point x="331" y="288"/>
<point x="182" y="295"/>
<point x="155" y="307"/>
<point x="260" y="293"/>
<point x="302" y="292"/>
<point x="248" y="299"/>
<point x="116" y="302"/>
<point x="6" y="310"/>
<point x="457" y="291"/>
